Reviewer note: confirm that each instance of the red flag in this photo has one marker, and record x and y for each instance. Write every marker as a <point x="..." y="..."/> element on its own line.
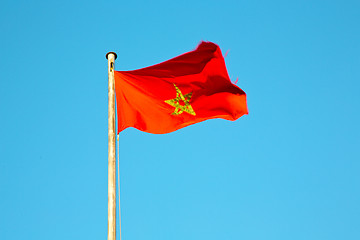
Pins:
<point x="187" y="89"/>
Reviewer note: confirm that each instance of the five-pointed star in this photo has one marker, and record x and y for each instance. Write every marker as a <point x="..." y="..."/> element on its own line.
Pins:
<point x="181" y="103"/>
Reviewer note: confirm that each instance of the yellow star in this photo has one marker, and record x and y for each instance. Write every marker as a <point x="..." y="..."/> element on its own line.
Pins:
<point x="181" y="103"/>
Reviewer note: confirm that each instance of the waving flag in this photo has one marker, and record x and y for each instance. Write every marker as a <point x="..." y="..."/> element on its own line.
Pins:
<point x="187" y="89"/>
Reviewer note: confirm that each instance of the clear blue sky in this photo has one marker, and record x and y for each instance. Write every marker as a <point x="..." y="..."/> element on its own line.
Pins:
<point x="288" y="170"/>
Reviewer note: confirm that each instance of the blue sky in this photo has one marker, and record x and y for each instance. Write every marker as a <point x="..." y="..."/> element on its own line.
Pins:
<point x="288" y="170"/>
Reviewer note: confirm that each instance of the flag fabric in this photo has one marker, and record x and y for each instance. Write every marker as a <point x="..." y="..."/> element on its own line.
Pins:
<point x="187" y="89"/>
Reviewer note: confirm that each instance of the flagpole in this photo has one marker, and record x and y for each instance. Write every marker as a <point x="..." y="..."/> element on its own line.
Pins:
<point x="111" y="56"/>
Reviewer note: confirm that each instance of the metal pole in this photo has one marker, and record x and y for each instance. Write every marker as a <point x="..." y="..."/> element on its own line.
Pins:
<point x="111" y="56"/>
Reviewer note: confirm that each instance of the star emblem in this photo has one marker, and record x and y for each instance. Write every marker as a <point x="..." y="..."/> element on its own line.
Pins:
<point x="181" y="103"/>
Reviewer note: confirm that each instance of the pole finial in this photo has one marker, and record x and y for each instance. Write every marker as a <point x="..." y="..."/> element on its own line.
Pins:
<point x="111" y="53"/>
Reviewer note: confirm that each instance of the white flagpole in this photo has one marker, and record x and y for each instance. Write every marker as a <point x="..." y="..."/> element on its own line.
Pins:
<point x="111" y="56"/>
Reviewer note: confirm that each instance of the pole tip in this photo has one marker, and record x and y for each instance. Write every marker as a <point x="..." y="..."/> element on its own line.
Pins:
<point x="111" y="53"/>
